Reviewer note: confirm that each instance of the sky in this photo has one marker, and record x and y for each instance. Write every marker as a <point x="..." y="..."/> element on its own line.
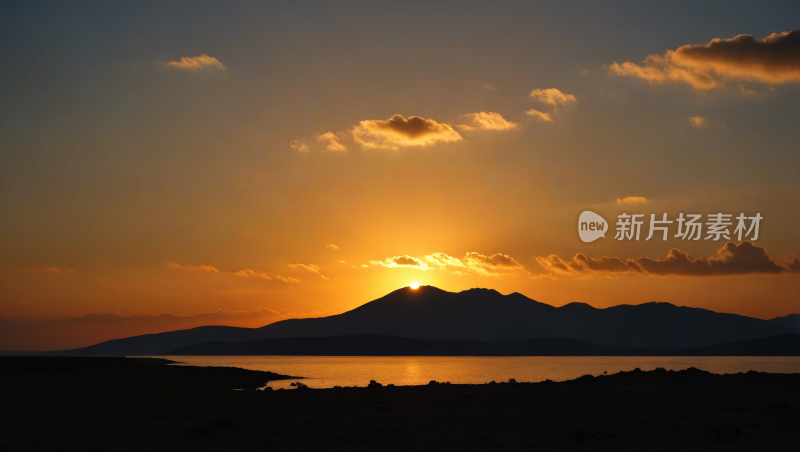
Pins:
<point x="166" y="165"/>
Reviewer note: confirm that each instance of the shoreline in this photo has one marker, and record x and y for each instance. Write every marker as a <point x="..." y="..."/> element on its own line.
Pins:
<point x="126" y="405"/>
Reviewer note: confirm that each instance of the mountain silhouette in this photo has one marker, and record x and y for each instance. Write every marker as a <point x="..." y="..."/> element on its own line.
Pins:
<point x="429" y="313"/>
<point x="379" y="345"/>
<point x="791" y="321"/>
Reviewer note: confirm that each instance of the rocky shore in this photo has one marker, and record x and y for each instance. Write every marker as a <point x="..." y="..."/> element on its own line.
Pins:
<point x="109" y="404"/>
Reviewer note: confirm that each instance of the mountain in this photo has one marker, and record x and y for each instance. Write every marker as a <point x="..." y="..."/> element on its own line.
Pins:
<point x="157" y="344"/>
<point x="486" y="315"/>
<point x="432" y="314"/>
<point x="791" y="321"/>
<point x="378" y="345"/>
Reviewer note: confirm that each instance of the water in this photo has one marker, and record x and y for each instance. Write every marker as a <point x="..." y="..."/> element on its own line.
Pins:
<point x="329" y="371"/>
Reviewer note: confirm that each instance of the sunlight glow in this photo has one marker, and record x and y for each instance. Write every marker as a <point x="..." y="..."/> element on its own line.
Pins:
<point x="414" y="285"/>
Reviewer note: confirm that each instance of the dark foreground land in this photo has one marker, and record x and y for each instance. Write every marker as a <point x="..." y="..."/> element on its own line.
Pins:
<point x="93" y="404"/>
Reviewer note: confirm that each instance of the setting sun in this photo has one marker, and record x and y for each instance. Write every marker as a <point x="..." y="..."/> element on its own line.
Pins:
<point x="414" y="285"/>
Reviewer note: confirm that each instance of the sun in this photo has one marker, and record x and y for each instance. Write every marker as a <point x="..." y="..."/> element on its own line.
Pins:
<point x="414" y="285"/>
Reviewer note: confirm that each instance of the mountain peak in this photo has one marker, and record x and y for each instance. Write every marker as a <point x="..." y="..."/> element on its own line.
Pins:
<point x="578" y="305"/>
<point x="480" y="290"/>
<point x="662" y="304"/>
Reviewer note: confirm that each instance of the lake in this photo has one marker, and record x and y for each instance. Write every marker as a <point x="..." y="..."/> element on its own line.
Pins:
<point x="329" y="371"/>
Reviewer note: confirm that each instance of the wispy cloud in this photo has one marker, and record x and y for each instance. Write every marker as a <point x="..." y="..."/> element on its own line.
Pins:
<point x="493" y="265"/>
<point x="332" y="140"/>
<point x="539" y="115"/>
<point x="403" y="262"/>
<point x="722" y="63"/>
<point x="701" y="122"/>
<point x="309" y="267"/>
<point x="247" y="273"/>
<point x="299" y="146"/>
<point x="203" y="268"/>
<point x="732" y="259"/>
<point x="52" y="270"/>
<point x="196" y="64"/>
<point x="485" y="265"/>
<point x="332" y="246"/>
<point x="244" y="273"/>
<point x="486" y="121"/>
<point x="632" y="200"/>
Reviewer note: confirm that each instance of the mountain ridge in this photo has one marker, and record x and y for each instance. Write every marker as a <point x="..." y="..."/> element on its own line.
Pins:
<point x="480" y="315"/>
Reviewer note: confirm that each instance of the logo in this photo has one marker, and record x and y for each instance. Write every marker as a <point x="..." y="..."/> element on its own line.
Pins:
<point x="591" y="226"/>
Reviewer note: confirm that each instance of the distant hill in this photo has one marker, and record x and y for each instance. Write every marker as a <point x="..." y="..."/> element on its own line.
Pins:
<point x="791" y="321"/>
<point x="479" y="315"/>
<point x="157" y="344"/>
<point x="378" y="345"/>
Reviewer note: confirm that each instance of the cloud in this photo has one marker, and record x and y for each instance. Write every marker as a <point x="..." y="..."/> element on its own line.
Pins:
<point x="398" y="132"/>
<point x="341" y="262"/>
<point x="732" y="259"/>
<point x="310" y="267"/>
<point x="699" y="122"/>
<point x="632" y="200"/>
<point x="287" y="279"/>
<point x="299" y="146"/>
<point x="197" y="64"/>
<point x="489" y="87"/>
<point x="332" y="140"/>
<point x="702" y="123"/>
<point x="460" y="273"/>
<point x="204" y="268"/>
<point x="487" y="121"/>
<point x="52" y="270"/>
<point x="403" y="262"/>
<point x="493" y="265"/>
<point x="540" y="115"/>
<point x="332" y="247"/>
<point x="553" y="97"/>
<point x="722" y="63"/>
<point x="247" y="273"/>
<point x="790" y="261"/>
<point x="443" y="260"/>
<point x="324" y="277"/>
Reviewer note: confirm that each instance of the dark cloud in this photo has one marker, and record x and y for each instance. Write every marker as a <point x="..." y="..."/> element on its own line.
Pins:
<point x="723" y="62"/>
<point x="732" y="259"/>
<point x="398" y="131"/>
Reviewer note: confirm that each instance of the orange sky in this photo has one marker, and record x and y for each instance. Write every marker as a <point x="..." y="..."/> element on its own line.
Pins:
<point x="280" y="164"/>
